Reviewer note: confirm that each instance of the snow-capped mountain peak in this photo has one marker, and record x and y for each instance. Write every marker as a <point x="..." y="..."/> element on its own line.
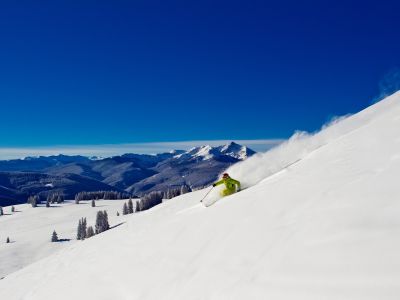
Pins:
<point x="207" y="152"/>
<point x="237" y="151"/>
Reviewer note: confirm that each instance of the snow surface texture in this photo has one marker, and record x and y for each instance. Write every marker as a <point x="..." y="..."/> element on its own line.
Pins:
<point x="30" y="230"/>
<point x="327" y="227"/>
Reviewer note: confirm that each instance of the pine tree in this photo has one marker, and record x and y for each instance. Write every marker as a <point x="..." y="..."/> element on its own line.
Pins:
<point x="106" y="224"/>
<point x="125" y="209"/>
<point x="83" y="228"/>
<point x="137" y="206"/>
<point x="185" y="189"/>
<point x="93" y="203"/>
<point x="54" y="237"/>
<point x="79" y="230"/>
<point x="33" y="200"/>
<point x="152" y="199"/>
<point x="130" y="206"/>
<point x="101" y="222"/>
<point x="89" y="232"/>
<point x="55" y="198"/>
<point x="1" y="211"/>
<point x="60" y="198"/>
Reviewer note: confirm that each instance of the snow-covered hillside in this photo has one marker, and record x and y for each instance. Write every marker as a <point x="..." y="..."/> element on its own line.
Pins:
<point x="326" y="227"/>
<point x="30" y="229"/>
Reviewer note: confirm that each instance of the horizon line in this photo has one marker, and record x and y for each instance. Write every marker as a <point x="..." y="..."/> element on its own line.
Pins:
<point x="109" y="150"/>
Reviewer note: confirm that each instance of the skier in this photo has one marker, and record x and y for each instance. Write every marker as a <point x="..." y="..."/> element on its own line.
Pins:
<point x="231" y="185"/>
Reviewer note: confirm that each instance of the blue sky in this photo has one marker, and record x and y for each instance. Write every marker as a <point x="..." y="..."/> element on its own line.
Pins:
<point x="121" y="72"/>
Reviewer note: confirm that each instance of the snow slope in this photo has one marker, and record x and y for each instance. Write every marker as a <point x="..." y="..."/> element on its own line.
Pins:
<point x="30" y="230"/>
<point x="327" y="227"/>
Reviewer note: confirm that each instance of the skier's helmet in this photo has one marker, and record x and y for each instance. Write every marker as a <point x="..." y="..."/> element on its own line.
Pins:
<point x="226" y="175"/>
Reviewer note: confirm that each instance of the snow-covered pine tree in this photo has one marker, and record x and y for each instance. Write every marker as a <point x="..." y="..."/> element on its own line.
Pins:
<point x="137" y="206"/>
<point x="152" y="199"/>
<point x="125" y="209"/>
<point x="84" y="225"/>
<point x="54" y="237"/>
<point x="55" y="198"/>
<point x="49" y="198"/>
<point x="106" y="224"/>
<point x="60" y="198"/>
<point x="89" y="232"/>
<point x="79" y="230"/>
<point x="130" y="206"/>
<point x="33" y="200"/>
<point x="101" y="222"/>
<point x="185" y="189"/>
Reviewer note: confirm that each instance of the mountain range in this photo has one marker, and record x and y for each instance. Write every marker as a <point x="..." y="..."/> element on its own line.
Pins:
<point x="318" y="219"/>
<point x="136" y="174"/>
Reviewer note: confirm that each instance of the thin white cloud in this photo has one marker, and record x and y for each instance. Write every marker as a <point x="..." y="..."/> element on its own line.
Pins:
<point x="389" y="84"/>
<point x="118" y="149"/>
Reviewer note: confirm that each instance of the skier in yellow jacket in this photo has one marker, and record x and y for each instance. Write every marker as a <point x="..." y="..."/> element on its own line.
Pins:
<point x="231" y="185"/>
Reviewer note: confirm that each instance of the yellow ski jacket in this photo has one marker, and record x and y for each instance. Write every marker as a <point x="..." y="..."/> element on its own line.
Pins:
<point x="230" y="184"/>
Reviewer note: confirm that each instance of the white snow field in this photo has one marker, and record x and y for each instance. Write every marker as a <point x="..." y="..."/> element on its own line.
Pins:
<point x="327" y="227"/>
<point x="30" y="229"/>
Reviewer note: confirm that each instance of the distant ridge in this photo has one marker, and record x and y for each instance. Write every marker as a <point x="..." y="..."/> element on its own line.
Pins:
<point x="137" y="174"/>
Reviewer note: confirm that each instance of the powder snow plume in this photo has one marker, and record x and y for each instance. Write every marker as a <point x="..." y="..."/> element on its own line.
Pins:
<point x="301" y="144"/>
<point x="262" y="165"/>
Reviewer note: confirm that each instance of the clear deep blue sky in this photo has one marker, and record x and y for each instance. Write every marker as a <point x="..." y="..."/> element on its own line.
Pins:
<point x="96" y="72"/>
